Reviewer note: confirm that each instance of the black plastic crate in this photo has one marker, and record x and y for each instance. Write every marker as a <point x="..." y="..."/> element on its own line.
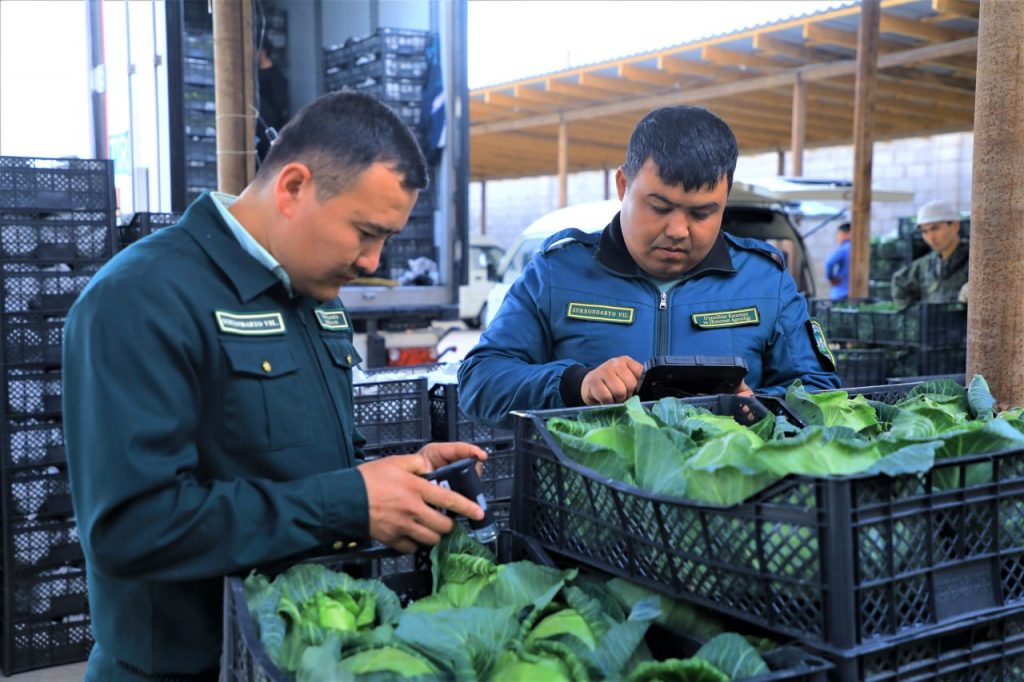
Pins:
<point x="42" y="288"/>
<point x="885" y="268"/>
<point x="32" y="442"/>
<point x="56" y="237"/>
<point x="51" y="593"/>
<point x="198" y="71"/>
<point x="245" y="660"/>
<point x="35" y="544"/>
<point x="419" y="228"/>
<point x="836" y="561"/>
<point x="32" y="392"/>
<point x="413" y="67"/>
<point x="32" y="339"/>
<point x="400" y="250"/>
<point x="199" y="45"/>
<point x="861" y="366"/>
<point x="201" y="175"/>
<point x="37" y="493"/>
<point x="978" y="649"/>
<point x="916" y="362"/>
<point x="31" y="184"/>
<point x="200" y="149"/>
<point x="44" y="644"/>
<point x="921" y="324"/>
<point x="143" y="224"/>
<point x="880" y="290"/>
<point x="387" y="90"/>
<point x="393" y="415"/>
<point x="450" y="423"/>
<point x="200" y="123"/>
<point x="199" y="98"/>
<point x="384" y="42"/>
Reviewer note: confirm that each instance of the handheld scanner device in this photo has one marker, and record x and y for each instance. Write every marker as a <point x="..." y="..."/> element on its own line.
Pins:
<point x="461" y="477"/>
<point x="681" y="376"/>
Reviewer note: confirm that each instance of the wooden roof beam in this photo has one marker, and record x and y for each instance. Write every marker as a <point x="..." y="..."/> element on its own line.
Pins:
<point x="810" y="73"/>
<point x="690" y="67"/>
<point x="546" y="97"/>
<point x="920" y="30"/>
<point x="743" y="60"/>
<point x="961" y="8"/>
<point x="514" y="104"/>
<point x="481" y="109"/>
<point x="614" y="84"/>
<point x="651" y="76"/>
<point x="575" y="90"/>
<point x="766" y="43"/>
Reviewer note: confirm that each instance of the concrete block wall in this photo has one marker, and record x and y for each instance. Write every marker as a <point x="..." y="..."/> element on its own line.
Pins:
<point x="934" y="167"/>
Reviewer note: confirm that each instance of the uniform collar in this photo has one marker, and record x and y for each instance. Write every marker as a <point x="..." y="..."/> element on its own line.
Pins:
<point x="250" y="278"/>
<point x="612" y="252"/>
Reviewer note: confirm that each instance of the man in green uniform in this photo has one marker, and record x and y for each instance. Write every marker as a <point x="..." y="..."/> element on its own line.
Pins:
<point x="939" y="276"/>
<point x="208" y="394"/>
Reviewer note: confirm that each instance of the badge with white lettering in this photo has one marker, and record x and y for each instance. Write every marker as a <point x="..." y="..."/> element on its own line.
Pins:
<point x="332" y="320"/>
<point x="820" y="343"/>
<point x="250" y="324"/>
<point x="594" y="312"/>
<point x="741" y="317"/>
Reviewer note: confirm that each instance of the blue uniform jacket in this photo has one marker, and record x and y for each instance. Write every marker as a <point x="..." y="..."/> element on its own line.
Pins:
<point x="209" y="429"/>
<point x="582" y="300"/>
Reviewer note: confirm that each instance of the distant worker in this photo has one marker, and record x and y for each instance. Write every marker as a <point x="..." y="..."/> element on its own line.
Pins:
<point x="273" y="93"/>
<point x="837" y="267"/>
<point x="938" y="276"/>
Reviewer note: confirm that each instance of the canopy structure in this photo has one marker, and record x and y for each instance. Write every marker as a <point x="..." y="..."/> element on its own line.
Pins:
<point x="781" y="86"/>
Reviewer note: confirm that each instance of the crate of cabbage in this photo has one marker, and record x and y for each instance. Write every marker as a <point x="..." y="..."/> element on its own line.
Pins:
<point x="887" y="323"/>
<point x="873" y="520"/>
<point x="469" y="617"/>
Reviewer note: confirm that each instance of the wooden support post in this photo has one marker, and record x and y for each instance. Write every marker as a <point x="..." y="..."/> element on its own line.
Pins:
<point x="798" y="133"/>
<point x="607" y="183"/>
<point x="863" y="144"/>
<point x="995" y="315"/>
<point x="483" y="207"/>
<point x="233" y="94"/>
<point x="563" y="164"/>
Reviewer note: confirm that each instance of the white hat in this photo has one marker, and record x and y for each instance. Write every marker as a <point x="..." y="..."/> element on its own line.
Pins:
<point x="936" y="212"/>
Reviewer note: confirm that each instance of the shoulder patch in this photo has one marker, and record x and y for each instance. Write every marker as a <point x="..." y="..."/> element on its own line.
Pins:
<point x="820" y="345"/>
<point x="568" y="236"/>
<point x="759" y="247"/>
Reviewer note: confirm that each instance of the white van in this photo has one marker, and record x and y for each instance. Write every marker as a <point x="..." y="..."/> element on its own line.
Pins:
<point x="760" y="209"/>
<point x="485" y="255"/>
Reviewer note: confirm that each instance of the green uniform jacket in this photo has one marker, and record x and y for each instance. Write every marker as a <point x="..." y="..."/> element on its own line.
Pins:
<point x="209" y="429"/>
<point x="929" y="279"/>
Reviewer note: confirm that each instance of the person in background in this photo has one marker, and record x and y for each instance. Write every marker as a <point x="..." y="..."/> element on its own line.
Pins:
<point x="661" y="279"/>
<point x="837" y="267"/>
<point x="273" y="93"/>
<point x="208" y="408"/>
<point x="939" y="276"/>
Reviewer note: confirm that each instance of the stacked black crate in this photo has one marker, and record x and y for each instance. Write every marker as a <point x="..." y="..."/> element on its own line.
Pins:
<point x="200" y="116"/>
<point x="56" y="220"/>
<point x="141" y="225"/>
<point x="392" y="65"/>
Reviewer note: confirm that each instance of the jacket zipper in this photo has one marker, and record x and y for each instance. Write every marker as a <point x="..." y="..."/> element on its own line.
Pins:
<point x="661" y="327"/>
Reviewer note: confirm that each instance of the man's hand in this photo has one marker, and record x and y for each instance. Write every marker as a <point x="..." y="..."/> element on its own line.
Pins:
<point x="439" y="454"/>
<point x="612" y="382"/>
<point x="743" y="389"/>
<point x="401" y="500"/>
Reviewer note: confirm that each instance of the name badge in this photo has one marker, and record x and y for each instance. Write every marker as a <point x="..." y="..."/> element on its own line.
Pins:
<point x="250" y="324"/>
<point x="741" y="317"/>
<point x="332" y="320"/>
<point x="594" y="312"/>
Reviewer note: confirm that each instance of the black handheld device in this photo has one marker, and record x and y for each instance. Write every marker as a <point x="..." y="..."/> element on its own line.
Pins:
<point x="461" y="476"/>
<point x="681" y="376"/>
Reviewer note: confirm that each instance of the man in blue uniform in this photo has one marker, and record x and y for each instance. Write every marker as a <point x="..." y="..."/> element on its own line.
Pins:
<point x="661" y="279"/>
<point x="208" y="394"/>
<point x="837" y="267"/>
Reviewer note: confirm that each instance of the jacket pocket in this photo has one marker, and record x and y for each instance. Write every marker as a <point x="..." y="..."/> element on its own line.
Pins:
<point x="265" y="404"/>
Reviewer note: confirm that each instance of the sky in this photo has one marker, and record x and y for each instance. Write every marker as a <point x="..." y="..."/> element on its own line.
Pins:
<point x="513" y="39"/>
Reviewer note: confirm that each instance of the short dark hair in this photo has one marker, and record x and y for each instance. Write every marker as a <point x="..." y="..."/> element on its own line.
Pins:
<point x="690" y="146"/>
<point x="845" y="227"/>
<point x="338" y="136"/>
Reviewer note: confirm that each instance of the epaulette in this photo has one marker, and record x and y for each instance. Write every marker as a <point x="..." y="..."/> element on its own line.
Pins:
<point x="759" y="247"/>
<point x="568" y="236"/>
